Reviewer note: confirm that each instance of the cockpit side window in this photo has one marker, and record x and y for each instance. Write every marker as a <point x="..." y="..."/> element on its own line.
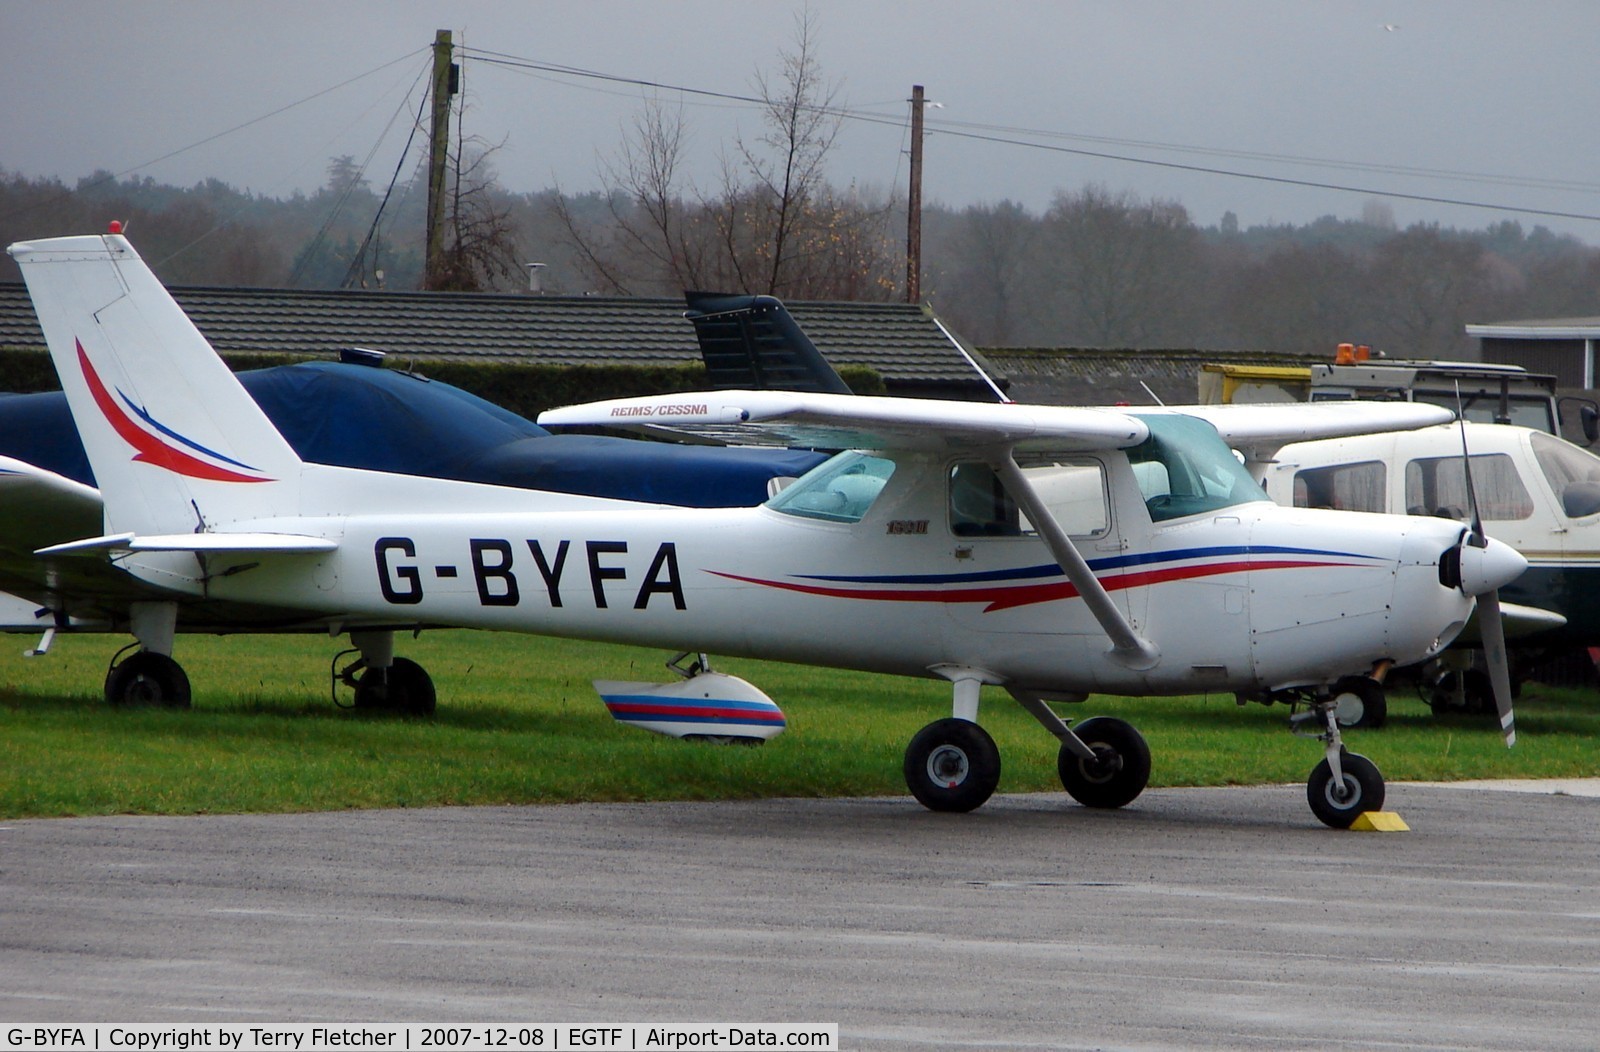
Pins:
<point x="1073" y="488"/>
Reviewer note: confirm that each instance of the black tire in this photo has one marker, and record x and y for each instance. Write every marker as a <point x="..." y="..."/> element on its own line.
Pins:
<point x="952" y="765"/>
<point x="1467" y="691"/>
<point x="1374" y="702"/>
<point x="148" y="678"/>
<point x="1363" y="785"/>
<point x="404" y="687"/>
<point x="1120" y="770"/>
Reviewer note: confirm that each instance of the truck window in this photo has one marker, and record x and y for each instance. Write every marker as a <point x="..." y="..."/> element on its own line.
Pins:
<point x="1484" y="408"/>
<point x="1437" y="486"/>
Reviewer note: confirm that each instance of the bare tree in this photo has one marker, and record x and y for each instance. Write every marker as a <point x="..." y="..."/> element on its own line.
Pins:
<point x="480" y="251"/>
<point x="801" y="127"/>
<point x="773" y="224"/>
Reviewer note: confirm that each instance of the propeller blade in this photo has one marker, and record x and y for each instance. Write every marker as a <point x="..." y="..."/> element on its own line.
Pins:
<point x="1494" y="651"/>
<point x="1478" y="536"/>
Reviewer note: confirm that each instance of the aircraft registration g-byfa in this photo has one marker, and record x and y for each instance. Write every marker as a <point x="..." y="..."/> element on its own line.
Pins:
<point x="1051" y="551"/>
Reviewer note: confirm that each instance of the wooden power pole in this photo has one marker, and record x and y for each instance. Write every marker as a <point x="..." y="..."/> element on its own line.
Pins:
<point x="444" y="85"/>
<point x="914" y="202"/>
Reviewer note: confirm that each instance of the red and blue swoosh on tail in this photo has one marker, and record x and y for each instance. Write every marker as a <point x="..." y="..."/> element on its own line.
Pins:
<point x="1043" y="583"/>
<point x="157" y="444"/>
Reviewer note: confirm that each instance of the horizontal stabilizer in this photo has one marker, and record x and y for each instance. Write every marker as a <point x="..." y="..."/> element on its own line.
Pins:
<point x="39" y="507"/>
<point x="201" y="543"/>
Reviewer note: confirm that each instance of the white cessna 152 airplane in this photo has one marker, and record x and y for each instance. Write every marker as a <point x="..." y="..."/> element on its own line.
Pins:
<point x="1051" y="551"/>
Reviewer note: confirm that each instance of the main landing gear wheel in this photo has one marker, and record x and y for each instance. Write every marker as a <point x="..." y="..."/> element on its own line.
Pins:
<point x="1360" y="702"/>
<point x="1465" y="690"/>
<point x="404" y="687"/>
<point x="952" y="765"/>
<point x="1338" y="805"/>
<point x="1118" y="773"/>
<point x="148" y="678"/>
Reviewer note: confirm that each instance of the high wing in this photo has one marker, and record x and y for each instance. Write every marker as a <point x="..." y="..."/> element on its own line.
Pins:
<point x="1259" y="431"/>
<point x="867" y="422"/>
<point x="829" y="421"/>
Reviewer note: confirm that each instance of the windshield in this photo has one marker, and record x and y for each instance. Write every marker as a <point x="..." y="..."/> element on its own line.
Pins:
<point x="1483" y="407"/>
<point x="839" y="490"/>
<point x="1184" y="468"/>
<point x="1572" y="472"/>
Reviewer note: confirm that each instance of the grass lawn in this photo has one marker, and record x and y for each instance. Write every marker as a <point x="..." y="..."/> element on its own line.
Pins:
<point x="519" y="723"/>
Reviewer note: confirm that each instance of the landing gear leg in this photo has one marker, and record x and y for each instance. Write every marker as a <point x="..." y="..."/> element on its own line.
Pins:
<point x="953" y="764"/>
<point x="149" y="676"/>
<point x="385" y="682"/>
<point x="1345" y="784"/>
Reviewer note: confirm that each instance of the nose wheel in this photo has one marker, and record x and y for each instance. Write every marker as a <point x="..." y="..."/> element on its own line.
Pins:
<point x="1338" y="802"/>
<point x="1344" y="785"/>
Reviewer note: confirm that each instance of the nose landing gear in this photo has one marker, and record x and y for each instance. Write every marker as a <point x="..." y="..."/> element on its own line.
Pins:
<point x="1345" y="784"/>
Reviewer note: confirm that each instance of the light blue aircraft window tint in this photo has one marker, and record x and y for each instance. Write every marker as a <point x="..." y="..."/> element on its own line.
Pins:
<point x="1343" y="487"/>
<point x="840" y="490"/>
<point x="1184" y="468"/>
<point x="1437" y="486"/>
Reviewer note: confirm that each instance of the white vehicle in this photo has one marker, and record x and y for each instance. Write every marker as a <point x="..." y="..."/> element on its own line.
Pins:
<point x="931" y="548"/>
<point x="1537" y="493"/>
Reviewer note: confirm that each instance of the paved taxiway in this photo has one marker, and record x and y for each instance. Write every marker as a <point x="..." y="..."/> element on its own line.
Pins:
<point x="1192" y="919"/>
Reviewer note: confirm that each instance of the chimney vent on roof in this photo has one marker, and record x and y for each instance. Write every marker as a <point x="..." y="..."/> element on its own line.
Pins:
<point x="535" y="281"/>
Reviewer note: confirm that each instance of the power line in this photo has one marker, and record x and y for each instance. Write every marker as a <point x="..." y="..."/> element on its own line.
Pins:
<point x="1003" y="135"/>
<point x="1279" y="179"/>
<point x="212" y="138"/>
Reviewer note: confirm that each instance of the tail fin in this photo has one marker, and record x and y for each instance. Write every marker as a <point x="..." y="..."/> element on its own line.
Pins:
<point x="753" y="343"/>
<point x="176" y="444"/>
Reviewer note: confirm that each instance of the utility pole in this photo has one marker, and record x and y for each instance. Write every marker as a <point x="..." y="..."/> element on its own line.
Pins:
<point x="914" y="202"/>
<point x="446" y="79"/>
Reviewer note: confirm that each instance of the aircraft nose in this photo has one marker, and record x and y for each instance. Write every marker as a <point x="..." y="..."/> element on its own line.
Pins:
<point x="1485" y="569"/>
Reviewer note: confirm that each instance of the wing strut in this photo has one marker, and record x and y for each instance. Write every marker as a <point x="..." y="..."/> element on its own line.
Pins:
<point x="1127" y="646"/>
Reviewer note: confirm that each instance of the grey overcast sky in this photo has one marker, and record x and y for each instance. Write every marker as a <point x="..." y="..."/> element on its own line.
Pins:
<point x="1470" y="100"/>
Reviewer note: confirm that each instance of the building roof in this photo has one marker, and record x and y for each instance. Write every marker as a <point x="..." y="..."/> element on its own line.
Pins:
<point x="902" y="342"/>
<point x="1538" y="329"/>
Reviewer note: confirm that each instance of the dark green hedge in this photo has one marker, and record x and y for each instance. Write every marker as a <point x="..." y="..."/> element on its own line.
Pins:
<point x="523" y="389"/>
